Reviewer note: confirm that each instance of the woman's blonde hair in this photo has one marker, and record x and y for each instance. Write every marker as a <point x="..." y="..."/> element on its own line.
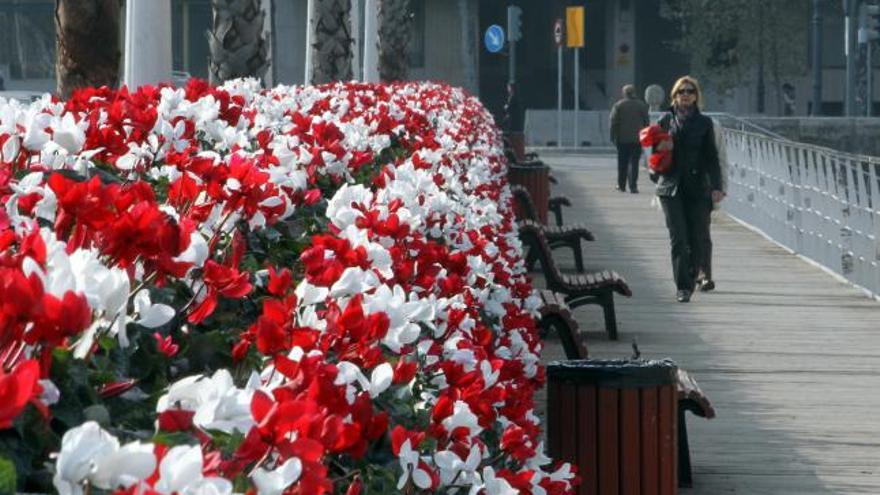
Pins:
<point x="691" y="81"/>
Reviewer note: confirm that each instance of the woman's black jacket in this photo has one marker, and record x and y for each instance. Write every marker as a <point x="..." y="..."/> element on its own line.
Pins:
<point x="695" y="169"/>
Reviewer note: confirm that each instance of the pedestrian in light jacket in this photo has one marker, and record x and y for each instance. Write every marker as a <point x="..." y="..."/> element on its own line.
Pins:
<point x="689" y="189"/>
<point x="628" y="116"/>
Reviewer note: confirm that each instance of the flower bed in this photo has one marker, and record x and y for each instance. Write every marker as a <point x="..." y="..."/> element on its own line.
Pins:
<point x="301" y="290"/>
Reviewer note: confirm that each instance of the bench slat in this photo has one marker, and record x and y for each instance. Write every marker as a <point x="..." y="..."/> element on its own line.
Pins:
<point x="688" y="390"/>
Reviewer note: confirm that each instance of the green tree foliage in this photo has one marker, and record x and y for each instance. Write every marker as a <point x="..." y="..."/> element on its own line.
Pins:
<point x="730" y="41"/>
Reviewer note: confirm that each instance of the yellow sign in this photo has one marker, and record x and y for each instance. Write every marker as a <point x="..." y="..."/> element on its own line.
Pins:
<point x="574" y="27"/>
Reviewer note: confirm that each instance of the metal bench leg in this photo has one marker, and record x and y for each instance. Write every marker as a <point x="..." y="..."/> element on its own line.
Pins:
<point x="531" y="258"/>
<point x="578" y="255"/>
<point x="607" y="302"/>
<point x="685" y="479"/>
<point x="557" y="212"/>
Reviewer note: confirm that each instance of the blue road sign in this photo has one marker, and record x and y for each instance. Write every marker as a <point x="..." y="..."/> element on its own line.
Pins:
<point x="494" y="38"/>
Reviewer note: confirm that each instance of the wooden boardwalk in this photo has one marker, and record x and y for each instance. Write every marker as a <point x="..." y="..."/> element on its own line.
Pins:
<point x="789" y="356"/>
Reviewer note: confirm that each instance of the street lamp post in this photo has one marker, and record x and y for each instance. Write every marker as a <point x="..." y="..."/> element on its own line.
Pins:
<point x="817" y="58"/>
<point x="851" y="11"/>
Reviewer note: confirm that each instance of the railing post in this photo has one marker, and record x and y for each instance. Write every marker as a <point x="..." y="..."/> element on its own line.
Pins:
<point x="796" y="200"/>
<point x="875" y="222"/>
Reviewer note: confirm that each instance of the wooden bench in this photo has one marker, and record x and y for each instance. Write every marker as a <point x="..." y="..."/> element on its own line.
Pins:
<point x="523" y="200"/>
<point x="557" y="202"/>
<point x="690" y="398"/>
<point x="557" y="236"/>
<point x="555" y="205"/>
<point x="588" y="288"/>
<point x="556" y="315"/>
<point x="566" y="236"/>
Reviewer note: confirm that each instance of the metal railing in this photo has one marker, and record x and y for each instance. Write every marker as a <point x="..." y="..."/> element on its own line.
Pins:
<point x="817" y="202"/>
<point x="731" y="121"/>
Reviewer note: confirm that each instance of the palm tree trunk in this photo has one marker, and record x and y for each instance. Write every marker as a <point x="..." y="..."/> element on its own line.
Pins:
<point x="87" y="44"/>
<point x="236" y="41"/>
<point x="331" y="41"/>
<point x="394" y="30"/>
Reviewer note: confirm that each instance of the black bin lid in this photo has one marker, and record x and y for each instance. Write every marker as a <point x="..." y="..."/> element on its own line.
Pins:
<point x="530" y="165"/>
<point x="614" y="373"/>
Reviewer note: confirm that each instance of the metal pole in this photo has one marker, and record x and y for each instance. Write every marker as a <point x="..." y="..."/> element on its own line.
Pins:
<point x="371" y="41"/>
<point x="850" y="52"/>
<point x="310" y="33"/>
<point x="817" y="58"/>
<point x="355" y="21"/>
<point x="559" y="96"/>
<point x="869" y="91"/>
<point x="511" y="67"/>
<point x="577" y="69"/>
<point x="761" y="89"/>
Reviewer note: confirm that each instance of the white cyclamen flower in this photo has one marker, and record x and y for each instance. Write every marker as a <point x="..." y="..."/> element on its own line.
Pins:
<point x="90" y="453"/>
<point x="276" y="481"/>
<point x="80" y="446"/>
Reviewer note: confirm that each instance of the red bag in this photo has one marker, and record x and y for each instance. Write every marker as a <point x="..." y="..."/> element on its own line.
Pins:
<point x="660" y="142"/>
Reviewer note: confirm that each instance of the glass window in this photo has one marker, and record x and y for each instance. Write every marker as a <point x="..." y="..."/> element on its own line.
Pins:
<point x="191" y="20"/>
<point x="27" y="44"/>
<point x="416" y="47"/>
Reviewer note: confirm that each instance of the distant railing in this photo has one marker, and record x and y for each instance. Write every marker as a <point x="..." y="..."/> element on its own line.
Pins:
<point x="731" y="121"/>
<point x="817" y="202"/>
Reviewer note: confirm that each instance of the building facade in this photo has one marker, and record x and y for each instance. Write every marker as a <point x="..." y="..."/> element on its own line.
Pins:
<point x="627" y="41"/>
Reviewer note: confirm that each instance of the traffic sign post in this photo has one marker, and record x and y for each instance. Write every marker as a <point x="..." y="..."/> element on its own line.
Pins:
<point x="514" y="31"/>
<point x="574" y="17"/>
<point x="557" y="38"/>
<point x="494" y="38"/>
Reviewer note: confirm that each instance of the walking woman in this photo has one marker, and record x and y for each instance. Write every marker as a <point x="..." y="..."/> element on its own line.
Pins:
<point x="690" y="187"/>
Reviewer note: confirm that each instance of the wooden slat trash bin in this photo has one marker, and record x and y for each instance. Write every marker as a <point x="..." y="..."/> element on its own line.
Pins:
<point x="535" y="178"/>
<point x="616" y="420"/>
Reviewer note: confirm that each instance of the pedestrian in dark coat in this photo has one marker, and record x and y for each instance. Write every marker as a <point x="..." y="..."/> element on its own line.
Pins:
<point x="705" y="282"/>
<point x="628" y="116"/>
<point x="688" y="190"/>
<point x="513" y="112"/>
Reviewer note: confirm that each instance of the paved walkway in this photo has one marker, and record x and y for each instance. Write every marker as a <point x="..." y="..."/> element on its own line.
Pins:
<point x="789" y="356"/>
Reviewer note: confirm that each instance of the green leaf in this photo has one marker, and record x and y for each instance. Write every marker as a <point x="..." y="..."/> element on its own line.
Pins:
<point x="7" y="477"/>
<point x="226" y="442"/>
<point x="174" y="439"/>
<point x="107" y="343"/>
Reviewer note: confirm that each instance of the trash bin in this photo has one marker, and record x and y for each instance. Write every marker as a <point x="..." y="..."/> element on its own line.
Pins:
<point x="616" y="420"/>
<point x="535" y="178"/>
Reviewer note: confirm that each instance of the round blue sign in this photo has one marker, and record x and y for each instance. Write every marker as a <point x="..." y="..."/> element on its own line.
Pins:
<point x="494" y="38"/>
